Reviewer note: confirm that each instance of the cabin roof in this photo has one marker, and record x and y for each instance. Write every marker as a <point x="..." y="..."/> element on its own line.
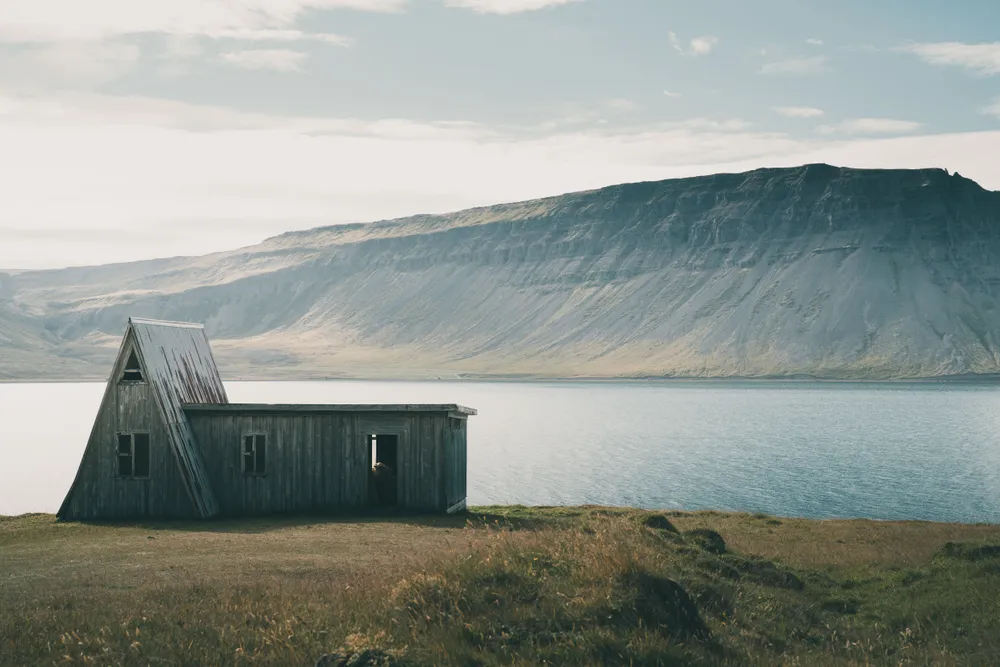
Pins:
<point x="166" y="323"/>
<point x="318" y="407"/>
<point x="179" y="367"/>
<point x="178" y="361"/>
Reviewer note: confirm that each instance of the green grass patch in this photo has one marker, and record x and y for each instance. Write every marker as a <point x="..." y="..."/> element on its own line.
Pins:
<point x="500" y="586"/>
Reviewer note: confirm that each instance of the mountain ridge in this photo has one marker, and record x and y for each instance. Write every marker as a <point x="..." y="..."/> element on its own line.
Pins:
<point x="819" y="271"/>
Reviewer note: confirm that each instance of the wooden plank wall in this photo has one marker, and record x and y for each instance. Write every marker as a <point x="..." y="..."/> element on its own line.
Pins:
<point x="456" y="465"/>
<point x="318" y="461"/>
<point x="99" y="493"/>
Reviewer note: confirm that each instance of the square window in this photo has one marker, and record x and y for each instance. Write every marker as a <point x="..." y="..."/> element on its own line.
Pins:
<point x="133" y="455"/>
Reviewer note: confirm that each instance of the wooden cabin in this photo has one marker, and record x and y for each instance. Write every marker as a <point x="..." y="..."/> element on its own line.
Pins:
<point x="167" y="443"/>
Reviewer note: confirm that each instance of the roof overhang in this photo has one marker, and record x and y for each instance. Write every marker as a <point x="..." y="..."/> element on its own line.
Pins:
<point x="275" y="408"/>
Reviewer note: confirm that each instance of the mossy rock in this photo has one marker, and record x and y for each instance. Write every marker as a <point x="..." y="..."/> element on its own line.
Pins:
<point x="841" y="606"/>
<point x="659" y="522"/>
<point x="969" y="551"/>
<point x="706" y="539"/>
<point x="717" y="566"/>
<point x="655" y="601"/>
<point x="368" y="657"/>
<point x="766" y="573"/>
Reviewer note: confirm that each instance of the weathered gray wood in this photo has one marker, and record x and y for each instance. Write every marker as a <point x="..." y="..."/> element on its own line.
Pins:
<point x="98" y="492"/>
<point x="279" y="408"/>
<point x="317" y="456"/>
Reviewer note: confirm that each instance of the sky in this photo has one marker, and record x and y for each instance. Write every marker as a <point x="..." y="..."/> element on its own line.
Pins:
<point x="132" y="129"/>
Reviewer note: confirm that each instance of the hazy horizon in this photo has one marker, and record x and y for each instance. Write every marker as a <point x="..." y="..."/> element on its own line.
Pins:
<point x="138" y="130"/>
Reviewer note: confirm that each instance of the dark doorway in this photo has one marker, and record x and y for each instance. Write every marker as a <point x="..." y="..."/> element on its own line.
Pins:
<point x="383" y="455"/>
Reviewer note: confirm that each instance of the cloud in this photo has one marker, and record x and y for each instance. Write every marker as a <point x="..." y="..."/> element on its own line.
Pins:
<point x="56" y="20"/>
<point x="66" y="65"/>
<point x="670" y="93"/>
<point x="798" y="112"/>
<point x="278" y="60"/>
<point x="699" y="46"/>
<point x="983" y="59"/>
<point x="621" y="104"/>
<point x="814" y="42"/>
<point x="157" y="169"/>
<point x="703" y="45"/>
<point x="281" y="36"/>
<point x="796" y="66"/>
<point x="993" y="109"/>
<point x="506" y="6"/>
<point x="856" y="126"/>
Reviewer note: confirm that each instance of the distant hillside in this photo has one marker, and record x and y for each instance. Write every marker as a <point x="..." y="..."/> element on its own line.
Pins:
<point x="810" y="271"/>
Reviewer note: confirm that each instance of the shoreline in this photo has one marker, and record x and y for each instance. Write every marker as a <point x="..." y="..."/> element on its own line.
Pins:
<point x="476" y="510"/>
<point x="983" y="379"/>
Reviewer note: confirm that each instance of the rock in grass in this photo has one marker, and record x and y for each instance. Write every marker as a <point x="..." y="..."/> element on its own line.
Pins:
<point x="709" y="540"/>
<point x="970" y="552"/>
<point x="840" y="606"/>
<point x="657" y="602"/>
<point x="368" y="657"/>
<point x="659" y="522"/>
<point x="766" y="573"/>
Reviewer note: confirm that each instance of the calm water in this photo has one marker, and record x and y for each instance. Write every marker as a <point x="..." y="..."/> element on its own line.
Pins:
<point x="816" y="450"/>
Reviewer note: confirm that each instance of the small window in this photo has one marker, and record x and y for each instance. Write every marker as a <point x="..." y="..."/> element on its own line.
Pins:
<point x="133" y="455"/>
<point x="254" y="454"/>
<point x="133" y="373"/>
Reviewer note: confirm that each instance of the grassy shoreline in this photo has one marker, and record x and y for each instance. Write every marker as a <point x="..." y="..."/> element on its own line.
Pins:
<point x="501" y="586"/>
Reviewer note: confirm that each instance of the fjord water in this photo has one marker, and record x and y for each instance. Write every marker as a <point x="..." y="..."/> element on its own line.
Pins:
<point x="884" y="451"/>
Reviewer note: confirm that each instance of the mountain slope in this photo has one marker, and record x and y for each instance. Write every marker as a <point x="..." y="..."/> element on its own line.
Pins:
<point x="815" y="271"/>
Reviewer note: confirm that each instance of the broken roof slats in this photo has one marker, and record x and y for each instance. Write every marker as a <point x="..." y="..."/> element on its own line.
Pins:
<point x="181" y="369"/>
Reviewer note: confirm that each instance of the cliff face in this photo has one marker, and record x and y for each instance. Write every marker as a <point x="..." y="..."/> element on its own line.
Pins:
<point x="815" y="270"/>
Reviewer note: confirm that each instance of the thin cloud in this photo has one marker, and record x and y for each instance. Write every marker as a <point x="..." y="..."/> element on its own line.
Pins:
<point x="278" y="60"/>
<point x="798" y="112"/>
<point x="281" y="36"/>
<point x="146" y="164"/>
<point x="983" y="59"/>
<point x="672" y="94"/>
<point x="993" y="109"/>
<point x="814" y="42"/>
<point x="57" y="20"/>
<point x="872" y="126"/>
<point x="621" y="104"/>
<point x="699" y="46"/>
<point x="796" y="66"/>
<point x="506" y="6"/>
<point x="67" y="65"/>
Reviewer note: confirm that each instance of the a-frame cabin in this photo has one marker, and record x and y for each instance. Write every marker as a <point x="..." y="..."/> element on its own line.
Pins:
<point x="142" y="459"/>
<point x="168" y="444"/>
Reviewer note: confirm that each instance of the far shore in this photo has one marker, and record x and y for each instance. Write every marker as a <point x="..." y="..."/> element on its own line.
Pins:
<point x="991" y="378"/>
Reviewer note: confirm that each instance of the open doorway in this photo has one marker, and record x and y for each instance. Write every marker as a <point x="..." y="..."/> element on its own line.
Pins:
<point x="383" y="455"/>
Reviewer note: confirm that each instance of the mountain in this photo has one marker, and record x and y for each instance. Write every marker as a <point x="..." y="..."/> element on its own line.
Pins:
<point x="814" y="271"/>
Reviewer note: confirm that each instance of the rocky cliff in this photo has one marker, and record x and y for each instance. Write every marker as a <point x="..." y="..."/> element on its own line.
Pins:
<point x="812" y="271"/>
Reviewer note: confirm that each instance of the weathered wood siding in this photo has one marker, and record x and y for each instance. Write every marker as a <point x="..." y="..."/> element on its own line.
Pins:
<point x="319" y="461"/>
<point x="98" y="492"/>
<point x="456" y="463"/>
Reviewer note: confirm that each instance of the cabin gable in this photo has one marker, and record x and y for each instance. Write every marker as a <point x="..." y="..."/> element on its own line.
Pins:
<point x="129" y="468"/>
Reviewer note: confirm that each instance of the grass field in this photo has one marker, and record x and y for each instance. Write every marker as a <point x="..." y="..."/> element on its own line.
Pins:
<point x="501" y="586"/>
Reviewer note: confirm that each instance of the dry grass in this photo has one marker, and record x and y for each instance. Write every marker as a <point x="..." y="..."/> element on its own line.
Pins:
<point x="503" y="586"/>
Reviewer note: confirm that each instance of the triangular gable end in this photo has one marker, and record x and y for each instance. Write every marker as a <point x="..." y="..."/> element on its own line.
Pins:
<point x="139" y="346"/>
